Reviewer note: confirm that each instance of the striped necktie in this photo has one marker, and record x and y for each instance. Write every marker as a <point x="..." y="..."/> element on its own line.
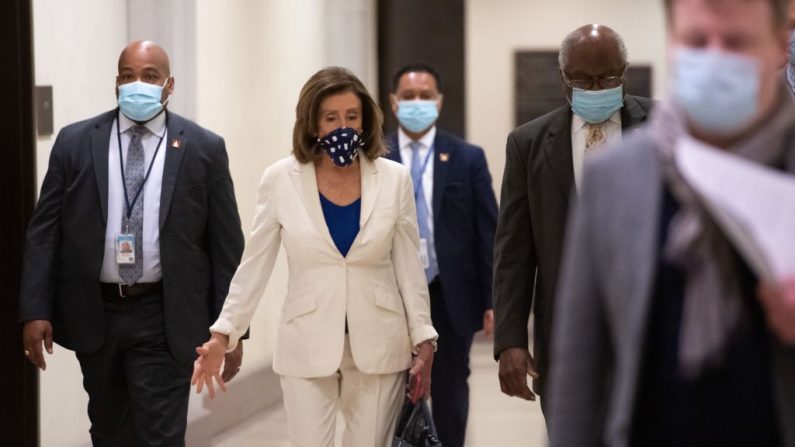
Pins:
<point x="134" y="179"/>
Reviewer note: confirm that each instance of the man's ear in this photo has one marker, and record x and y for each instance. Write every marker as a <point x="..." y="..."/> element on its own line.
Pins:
<point x="440" y="102"/>
<point x="393" y="103"/>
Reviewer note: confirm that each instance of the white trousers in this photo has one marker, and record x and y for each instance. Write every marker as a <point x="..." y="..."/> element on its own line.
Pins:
<point x="369" y="403"/>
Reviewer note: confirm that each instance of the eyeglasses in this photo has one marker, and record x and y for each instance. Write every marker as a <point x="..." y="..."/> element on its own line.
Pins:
<point x="587" y="84"/>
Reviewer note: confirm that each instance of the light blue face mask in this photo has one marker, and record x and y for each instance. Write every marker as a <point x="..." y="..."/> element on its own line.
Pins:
<point x="718" y="91"/>
<point x="597" y="106"/>
<point x="417" y="115"/>
<point x="140" y="101"/>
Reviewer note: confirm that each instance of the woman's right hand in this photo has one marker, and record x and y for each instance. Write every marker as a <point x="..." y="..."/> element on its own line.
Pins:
<point x="208" y="366"/>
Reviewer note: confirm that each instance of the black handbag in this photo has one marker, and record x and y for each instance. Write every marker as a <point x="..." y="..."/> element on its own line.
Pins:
<point x="415" y="427"/>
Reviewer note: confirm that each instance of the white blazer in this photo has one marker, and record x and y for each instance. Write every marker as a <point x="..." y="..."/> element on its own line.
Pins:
<point x="379" y="286"/>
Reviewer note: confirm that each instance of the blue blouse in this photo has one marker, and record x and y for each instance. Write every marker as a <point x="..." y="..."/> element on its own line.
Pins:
<point x="342" y="222"/>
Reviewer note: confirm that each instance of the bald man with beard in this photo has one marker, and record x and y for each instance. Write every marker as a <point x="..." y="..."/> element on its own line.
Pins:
<point x="543" y="165"/>
<point x="144" y="179"/>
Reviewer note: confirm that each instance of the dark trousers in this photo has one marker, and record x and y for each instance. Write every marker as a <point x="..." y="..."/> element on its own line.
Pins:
<point x="138" y="393"/>
<point x="449" y="388"/>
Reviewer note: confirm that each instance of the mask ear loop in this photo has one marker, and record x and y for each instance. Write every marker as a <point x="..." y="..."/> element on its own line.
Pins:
<point x="169" y="94"/>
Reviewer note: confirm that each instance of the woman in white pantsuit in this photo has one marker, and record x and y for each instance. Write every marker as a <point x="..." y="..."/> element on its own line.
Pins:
<point x="357" y="300"/>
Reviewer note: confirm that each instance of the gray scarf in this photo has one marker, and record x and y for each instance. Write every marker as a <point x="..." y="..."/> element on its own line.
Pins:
<point x="713" y="306"/>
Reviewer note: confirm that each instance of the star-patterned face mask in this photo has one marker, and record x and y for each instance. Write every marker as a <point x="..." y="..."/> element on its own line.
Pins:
<point x="342" y="145"/>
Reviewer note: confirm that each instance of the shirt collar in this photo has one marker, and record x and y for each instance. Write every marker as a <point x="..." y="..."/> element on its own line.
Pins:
<point x="156" y="125"/>
<point x="426" y="141"/>
<point x="578" y="123"/>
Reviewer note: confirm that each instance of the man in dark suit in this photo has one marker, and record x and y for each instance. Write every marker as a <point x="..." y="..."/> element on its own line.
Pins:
<point x="456" y="213"/>
<point x="543" y="164"/>
<point x="150" y="180"/>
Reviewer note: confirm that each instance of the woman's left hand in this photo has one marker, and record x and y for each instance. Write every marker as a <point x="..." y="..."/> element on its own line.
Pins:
<point x="208" y="366"/>
<point x="420" y="373"/>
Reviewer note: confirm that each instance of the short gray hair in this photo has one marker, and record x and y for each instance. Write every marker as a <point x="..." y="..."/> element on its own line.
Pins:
<point x="577" y="37"/>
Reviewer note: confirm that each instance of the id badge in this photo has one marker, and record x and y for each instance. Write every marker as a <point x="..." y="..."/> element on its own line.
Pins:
<point x="125" y="249"/>
<point x="424" y="258"/>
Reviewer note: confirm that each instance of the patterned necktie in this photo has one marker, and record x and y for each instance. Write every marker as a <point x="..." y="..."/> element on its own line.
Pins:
<point x="134" y="172"/>
<point x="595" y="137"/>
<point x="422" y="208"/>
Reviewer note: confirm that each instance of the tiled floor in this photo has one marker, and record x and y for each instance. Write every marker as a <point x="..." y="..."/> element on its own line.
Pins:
<point x="495" y="420"/>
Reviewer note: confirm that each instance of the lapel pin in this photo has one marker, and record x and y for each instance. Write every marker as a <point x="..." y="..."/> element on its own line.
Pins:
<point x="176" y="144"/>
<point x="444" y="156"/>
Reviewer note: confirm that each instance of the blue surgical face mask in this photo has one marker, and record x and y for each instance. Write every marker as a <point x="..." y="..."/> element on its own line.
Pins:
<point x="417" y="115"/>
<point x="140" y="101"/>
<point x="718" y="91"/>
<point x="342" y="145"/>
<point x="596" y="106"/>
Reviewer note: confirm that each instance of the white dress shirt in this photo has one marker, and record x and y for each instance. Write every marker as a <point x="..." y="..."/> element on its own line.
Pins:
<point x="426" y="142"/>
<point x="150" y="194"/>
<point x="579" y="130"/>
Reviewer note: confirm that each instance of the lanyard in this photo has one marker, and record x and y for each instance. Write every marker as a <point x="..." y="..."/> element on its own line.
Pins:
<point x="428" y="156"/>
<point x="128" y="204"/>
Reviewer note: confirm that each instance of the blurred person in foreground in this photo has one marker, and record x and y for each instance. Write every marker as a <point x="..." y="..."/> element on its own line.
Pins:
<point x="663" y="336"/>
<point x="357" y="300"/>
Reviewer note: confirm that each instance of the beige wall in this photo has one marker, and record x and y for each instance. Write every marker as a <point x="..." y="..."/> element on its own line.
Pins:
<point x="498" y="28"/>
<point x="75" y="53"/>
<point x="248" y="79"/>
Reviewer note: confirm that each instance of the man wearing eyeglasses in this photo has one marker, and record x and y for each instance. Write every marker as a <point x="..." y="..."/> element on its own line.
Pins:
<point x="543" y="163"/>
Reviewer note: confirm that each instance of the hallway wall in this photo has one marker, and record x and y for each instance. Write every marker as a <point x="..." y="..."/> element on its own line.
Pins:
<point x="76" y="47"/>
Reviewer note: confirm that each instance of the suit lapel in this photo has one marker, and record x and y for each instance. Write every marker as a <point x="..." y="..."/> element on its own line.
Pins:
<point x="305" y="182"/>
<point x="632" y="113"/>
<point x="557" y="150"/>
<point x="444" y="152"/>
<point x="371" y="187"/>
<point x="100" y="140"/>
<point x="175" y="147"/>
<point x="394" y="149"/>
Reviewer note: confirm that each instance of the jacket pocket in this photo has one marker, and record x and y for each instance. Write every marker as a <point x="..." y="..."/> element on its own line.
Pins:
<point x="296" y="307"/>
<point x="389" y="300"/>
